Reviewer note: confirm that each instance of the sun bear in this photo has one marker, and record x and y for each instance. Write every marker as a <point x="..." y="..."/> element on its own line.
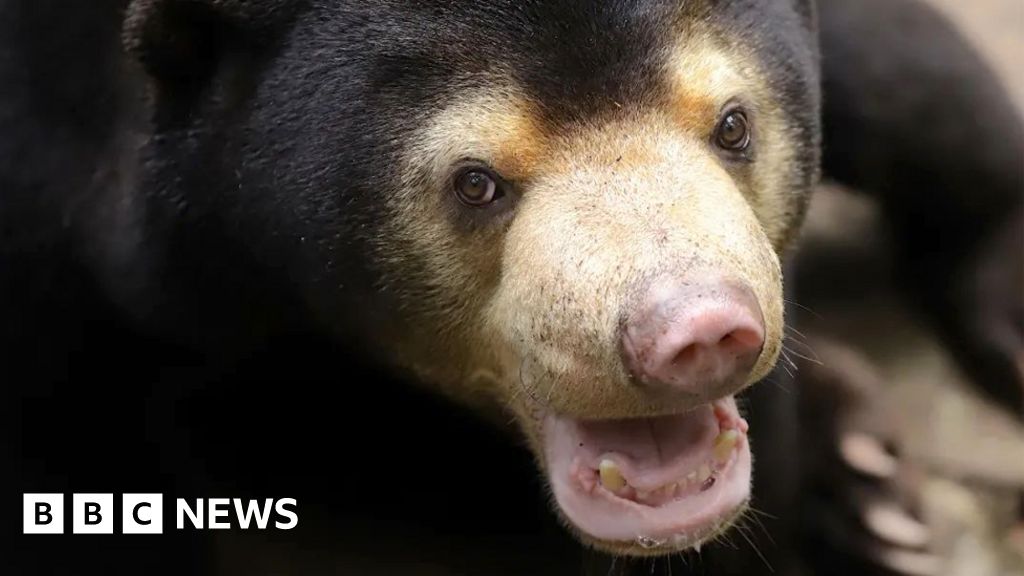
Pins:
<point x="253" y="243"/>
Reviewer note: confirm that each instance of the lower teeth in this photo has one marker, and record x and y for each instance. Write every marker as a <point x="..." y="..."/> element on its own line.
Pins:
<point x="611" y="476"/>
<point x="724" y="445"/>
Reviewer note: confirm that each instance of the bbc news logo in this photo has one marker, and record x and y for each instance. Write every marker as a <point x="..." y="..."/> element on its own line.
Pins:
<point x="143" y="513"/>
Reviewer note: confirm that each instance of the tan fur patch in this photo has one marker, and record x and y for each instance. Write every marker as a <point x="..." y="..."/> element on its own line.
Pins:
<point x="427" y="248"/>
<point x="499" y="128"/>
<point x="702" y="79"/>
<point x="521" y="148"/>
<point x="705" y="75"/>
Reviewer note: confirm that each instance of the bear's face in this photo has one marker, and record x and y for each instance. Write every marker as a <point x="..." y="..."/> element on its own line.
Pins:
<point x="572" y="211"/>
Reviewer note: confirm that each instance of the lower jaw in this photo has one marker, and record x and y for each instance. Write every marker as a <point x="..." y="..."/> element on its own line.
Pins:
<point x="614" y="521"/>
<point x="651" y="547"/>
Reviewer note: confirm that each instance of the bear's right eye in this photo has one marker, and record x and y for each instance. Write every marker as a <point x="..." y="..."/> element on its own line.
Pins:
<point x="477" y="187"/>
<point x="733" y="132"/>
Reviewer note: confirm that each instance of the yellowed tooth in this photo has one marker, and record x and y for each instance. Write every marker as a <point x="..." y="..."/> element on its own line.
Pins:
<point x="724" y="445"/>
<point x="703" y="474"/>
<point x="611" y="477"/>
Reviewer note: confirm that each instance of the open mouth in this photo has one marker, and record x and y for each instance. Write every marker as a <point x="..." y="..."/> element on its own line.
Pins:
<point x="651" y="485"/>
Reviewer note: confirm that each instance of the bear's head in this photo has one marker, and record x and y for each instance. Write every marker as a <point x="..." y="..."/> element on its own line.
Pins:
<point x="567" y="211"/>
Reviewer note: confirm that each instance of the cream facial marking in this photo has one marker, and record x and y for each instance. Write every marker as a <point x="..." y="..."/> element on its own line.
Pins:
<point x="704" y="77"/>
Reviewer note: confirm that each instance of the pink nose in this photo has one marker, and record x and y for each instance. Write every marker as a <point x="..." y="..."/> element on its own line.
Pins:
<point x="700" y="339"/>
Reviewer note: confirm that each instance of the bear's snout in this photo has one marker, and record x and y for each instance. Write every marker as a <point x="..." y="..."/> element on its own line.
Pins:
<point x="696" y="337"/>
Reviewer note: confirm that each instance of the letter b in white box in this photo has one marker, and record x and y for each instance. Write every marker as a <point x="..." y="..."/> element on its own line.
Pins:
<point x="92" y="513"/>
<point x="142" y="514"/>
<point x="43" y="513"/>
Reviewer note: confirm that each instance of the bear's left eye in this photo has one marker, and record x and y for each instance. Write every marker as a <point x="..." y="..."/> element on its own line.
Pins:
<point x="477" y="187"/>
<point x="733" y="133"/>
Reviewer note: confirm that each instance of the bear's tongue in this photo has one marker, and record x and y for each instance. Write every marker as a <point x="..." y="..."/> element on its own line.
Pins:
<point x="650" y="452"/>
<point x="676" y="477"/>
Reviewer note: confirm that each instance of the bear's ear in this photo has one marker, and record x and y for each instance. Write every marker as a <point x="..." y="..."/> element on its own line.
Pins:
<point x="182" y="40"/>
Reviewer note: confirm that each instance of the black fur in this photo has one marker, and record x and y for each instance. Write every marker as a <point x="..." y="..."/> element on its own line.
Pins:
<point x="166" y="221"/>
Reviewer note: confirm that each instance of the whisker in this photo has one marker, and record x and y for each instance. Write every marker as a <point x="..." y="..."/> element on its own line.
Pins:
<point x="611" y="569"/>
<point x="802" y="342"/>
<point x="754" y="515"/>
<point x="789" y="360"/>
<point x="795" y="330"/>
<point x="547" y="400"/>
<point x="778" y="384"/>
<point x="762" y="513"/>
<point x="802" y="307"/>
<point x="726" y="539"/>
<point x="524" y="386"/>
<point x="799" y="355"/>
<point x="788" y="371"/>
<point x="764" y="529"/>
<point x="742" y="532"/>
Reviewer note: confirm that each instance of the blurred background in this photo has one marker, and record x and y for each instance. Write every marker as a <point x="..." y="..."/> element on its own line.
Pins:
<point x="970" y="454"/>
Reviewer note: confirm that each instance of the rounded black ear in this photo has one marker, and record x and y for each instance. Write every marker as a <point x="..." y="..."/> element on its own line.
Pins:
<point x="182" y="40"/>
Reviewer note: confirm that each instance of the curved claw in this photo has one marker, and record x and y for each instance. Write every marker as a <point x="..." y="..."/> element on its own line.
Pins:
<point x="866" y="454"/>
<point x="864" y="516"/>
<point x="891" y="523"/>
